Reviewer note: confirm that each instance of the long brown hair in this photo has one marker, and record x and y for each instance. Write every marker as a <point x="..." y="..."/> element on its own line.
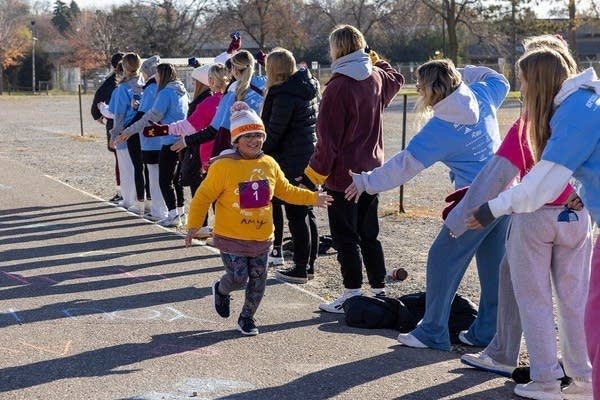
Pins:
<point x="166" y="73"/>
<point x="345" y="39"/>
<point x="544" y="72"/>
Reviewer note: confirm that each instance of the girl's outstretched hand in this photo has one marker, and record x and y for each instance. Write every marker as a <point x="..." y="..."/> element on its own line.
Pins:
<point x="574" y="202"/>
<point x="191" y="233"/>
<point x="324" y="199"/>
<point x="352" y="192"/>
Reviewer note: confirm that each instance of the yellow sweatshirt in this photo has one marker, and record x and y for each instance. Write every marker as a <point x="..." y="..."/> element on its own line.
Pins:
<point x="222" y="184"/>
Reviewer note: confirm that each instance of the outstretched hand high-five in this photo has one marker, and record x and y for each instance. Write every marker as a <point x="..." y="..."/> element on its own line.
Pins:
<point x="352" y="192"/>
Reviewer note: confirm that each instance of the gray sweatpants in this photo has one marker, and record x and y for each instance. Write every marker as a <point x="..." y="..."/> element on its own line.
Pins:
<point x="543" y="254"/>
<point x="506" y="344"/>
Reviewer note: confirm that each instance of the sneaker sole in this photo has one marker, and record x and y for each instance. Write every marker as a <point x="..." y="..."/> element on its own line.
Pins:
<point x="214" y="305"/>
<point x="290" y="279"/>
<point x="528" y="393"/>
<point x="332" y="310"/>
<point x="487" y="369"/>
<point x="243" y="332"/>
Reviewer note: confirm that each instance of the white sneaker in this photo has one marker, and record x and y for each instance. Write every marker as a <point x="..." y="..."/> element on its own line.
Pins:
<point x="151" y="217"/>
<point x="409" y="340"/>
<point x="462" y="336"/>
<point x="539" y="390"/>
<point x="171" y="222"/>
<point x="579" y="389"/>
<point x="204" y="232"/>
<point x="337" y="305"/>
<point x="138" y="208"/>
<point x="486" y="363"/>
<point x="123" y="204"/>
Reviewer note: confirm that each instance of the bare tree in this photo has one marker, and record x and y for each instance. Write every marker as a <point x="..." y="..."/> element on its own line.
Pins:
<point x="15" y="37"/>
<point x="453" y="13"/>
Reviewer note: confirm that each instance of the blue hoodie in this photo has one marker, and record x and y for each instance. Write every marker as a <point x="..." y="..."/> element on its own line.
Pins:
<point x="170" y="105"/>
<point x="148" y="97"/>
<point x="121" y="106"/>
<point x="463" y="134"/>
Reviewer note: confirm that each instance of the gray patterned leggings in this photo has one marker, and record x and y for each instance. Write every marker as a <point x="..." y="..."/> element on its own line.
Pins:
<point x="242" y="269"/>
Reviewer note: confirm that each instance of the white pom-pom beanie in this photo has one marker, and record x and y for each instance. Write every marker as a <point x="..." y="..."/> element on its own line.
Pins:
<point x="244" y="120"/>
<point x="201" y="74"/>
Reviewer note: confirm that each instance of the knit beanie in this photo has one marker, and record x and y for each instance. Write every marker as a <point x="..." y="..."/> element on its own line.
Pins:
<point x="244" y="120"/>
<point x="149" y="66"/>
<point x="201" y="74"/>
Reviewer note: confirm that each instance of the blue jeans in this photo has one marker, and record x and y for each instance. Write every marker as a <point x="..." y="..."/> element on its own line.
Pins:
<point x="447" y="261"/>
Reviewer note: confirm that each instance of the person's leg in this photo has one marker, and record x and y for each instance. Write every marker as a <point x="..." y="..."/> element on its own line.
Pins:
<point x="236" y="273"/>
<point x="179" y="193"/>
<point x="529" y="253"/>
<point x="300" y="232"/>
<point x="592" y="322"/>
<point x="506" y="344"/>
<point x="277" y="208"/>
<point x="343" y="220"/>
<point x="147" y="180"/>
<point x="158" y="208"/>
<point x="370" y="246"/>
<point x="167" y="162"/>
<point x="570" y="275"/>
<point x="447" y="261"/>
<point x="135" y="153"/>
<point x="257" y="282"/>
<point x="314" y="242"/>
<point x="489" y="254"/>
<point x="126" y="177"/>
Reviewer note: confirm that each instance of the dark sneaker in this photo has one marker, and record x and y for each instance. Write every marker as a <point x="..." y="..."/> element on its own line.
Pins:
<point x="296" y="274"/>
<point x="221" y="301"/>
<point x="275" y="257"/>
<point x="247" y="326"/>
<point x="310" y="272"/>
<point x="116" y="198"/>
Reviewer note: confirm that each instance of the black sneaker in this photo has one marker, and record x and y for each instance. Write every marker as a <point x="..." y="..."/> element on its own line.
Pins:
<point x="247" y="326"/>
<point x="221" y="301"/>
<point x="116" y="198"/>
<point x="310" y="272"/>
<point x="296" y="274"/>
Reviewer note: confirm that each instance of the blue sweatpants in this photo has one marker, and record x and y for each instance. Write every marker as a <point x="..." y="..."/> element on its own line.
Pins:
<point x="447" y="261"/>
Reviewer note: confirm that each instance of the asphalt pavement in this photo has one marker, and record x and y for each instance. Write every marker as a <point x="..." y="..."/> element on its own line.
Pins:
<point x="97" y="303"/>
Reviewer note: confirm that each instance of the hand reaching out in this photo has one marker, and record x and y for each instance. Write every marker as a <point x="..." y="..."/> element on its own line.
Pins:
<point x="352" y="192"/>
<point x="324" y="199"/>
<point x="191" y="233"/>
<point x="574" y="202"/>
<point x="179" y="145"/>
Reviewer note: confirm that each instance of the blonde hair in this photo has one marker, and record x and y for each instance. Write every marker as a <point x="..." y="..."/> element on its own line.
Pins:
<point x="544" y="71"/>
<point x="166" y="73"/>
<point x="345" y="39"/>
<point x="243" y="62"/>
<point x="219" y="75"/>
<point x="280" y="65"/>
<point x="436" y="79"/>
<point x="131" y="66"/>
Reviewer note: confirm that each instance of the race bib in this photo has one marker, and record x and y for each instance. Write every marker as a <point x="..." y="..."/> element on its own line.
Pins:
<point x="254" y="194"/>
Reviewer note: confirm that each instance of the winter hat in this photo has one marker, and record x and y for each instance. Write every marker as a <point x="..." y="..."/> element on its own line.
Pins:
<point x="244" y="120"/>
<point x="149" y="66"/>
<point x="201" y="74"/>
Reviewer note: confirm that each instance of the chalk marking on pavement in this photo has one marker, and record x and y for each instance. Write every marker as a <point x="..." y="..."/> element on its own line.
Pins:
<point x="199" y="388"/>
<point x="209" y="248"/>
<point x="16" y="278"/>
<point x="13" y="312"/>
<point x="65" y="351"/>
<point x="5" y="186"/>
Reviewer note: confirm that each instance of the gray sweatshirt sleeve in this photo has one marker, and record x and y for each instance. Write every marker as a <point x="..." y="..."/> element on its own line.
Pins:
<point x="495" y="177"/>
<point x="395" y="172"/>
<point x="152" y="115"/>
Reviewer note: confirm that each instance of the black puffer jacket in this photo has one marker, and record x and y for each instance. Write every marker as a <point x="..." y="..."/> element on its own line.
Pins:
<point x="290" y="116"/>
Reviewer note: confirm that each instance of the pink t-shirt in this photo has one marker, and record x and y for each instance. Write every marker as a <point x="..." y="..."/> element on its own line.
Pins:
<point x="516" y="150"/>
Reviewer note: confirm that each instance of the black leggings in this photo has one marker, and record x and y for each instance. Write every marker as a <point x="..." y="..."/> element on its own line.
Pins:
<point x="168" y="177"/>
<point x="135" y="152"/>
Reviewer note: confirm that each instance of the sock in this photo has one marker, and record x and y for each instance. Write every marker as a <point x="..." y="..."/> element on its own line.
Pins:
<point x="180" y="210"/>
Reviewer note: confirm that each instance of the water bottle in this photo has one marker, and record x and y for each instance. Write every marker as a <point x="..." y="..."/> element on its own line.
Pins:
<point x="398" y="274"/>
